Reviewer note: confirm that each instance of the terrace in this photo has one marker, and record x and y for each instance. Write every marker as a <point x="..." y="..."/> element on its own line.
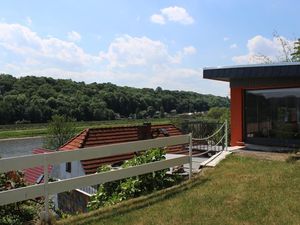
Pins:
<point x="243" y="189"/>
<point x="192" y="156"/>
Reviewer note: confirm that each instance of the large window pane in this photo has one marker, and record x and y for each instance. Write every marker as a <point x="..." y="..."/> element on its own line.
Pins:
<point x="273" y="114"/>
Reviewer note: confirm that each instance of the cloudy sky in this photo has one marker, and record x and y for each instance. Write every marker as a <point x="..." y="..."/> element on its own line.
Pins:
<point x="142" y="43"/>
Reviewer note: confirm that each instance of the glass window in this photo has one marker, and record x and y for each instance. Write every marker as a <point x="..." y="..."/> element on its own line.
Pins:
<point x="272" y="114"/>
<point x="69" y="167"/>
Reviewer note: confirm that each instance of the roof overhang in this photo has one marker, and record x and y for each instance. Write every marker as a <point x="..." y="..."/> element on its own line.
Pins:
<point x="253" y="71"/>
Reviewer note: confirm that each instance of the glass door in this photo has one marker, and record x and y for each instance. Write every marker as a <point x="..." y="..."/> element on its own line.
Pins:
<point x="272" y="116"/>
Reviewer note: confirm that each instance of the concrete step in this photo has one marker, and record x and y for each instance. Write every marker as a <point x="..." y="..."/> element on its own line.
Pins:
<point x="215" y="159"/>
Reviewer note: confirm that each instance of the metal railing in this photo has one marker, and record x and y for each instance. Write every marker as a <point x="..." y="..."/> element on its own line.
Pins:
<point x="212" y="142"/>
<point x="49" y="188"/>
<point x="200" y="128"/>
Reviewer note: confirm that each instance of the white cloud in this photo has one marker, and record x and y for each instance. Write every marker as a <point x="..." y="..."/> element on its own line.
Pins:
<point x="131" y="61"/>
<point x="157" y="18"/>
<point x="187" y="79"/>
<point x="27" y="45"/>
<point x="28" y="21"/>
<point x="226" y="38"/>
<point x="127" y="51"/>
<point x="98" y="37"/>
<point x="174" y="14"/>
<point x="123" y="51"/>
<point x="74" y="36"/>
<point x="232" y="46"/>
<point x="135" y="51"/>
<point x="189" y="50"/>
<point x="262" y="49"/>
<point x="177" y="14"/>
<point x="177" y="58"/>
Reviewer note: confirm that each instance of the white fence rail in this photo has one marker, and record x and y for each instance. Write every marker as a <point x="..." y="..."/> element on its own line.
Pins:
<point x="45" y="189"/>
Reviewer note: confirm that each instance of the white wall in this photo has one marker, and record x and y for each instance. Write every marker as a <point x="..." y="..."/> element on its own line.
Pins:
<point x="76" y="170"/>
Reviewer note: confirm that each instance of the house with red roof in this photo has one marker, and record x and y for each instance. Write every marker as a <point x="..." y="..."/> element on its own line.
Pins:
<point x="91" y="137"/>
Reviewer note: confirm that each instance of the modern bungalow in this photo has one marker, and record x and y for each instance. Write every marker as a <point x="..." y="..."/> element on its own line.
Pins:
<point x="265" y="103"/>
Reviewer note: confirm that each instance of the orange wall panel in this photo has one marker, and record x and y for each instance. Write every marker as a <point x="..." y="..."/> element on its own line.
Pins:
<point x="236" y="108"/>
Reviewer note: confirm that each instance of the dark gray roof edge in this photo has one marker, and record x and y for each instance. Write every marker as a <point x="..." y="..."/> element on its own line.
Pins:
<point x="253" y="65"/>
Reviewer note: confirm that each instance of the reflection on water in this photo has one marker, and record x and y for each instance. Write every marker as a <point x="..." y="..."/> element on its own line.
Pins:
<point x="17" y="147"/>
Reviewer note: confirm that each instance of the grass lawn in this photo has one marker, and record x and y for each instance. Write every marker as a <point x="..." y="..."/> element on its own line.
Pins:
<point x="33" y="130"/>
<point x="240" y="190"/>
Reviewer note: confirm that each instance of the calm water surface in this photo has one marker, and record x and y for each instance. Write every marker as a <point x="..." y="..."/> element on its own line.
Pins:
<point x="17" y="147"/>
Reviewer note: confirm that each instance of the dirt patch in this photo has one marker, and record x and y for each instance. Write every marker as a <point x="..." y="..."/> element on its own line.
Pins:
<point x="264" y="155"/>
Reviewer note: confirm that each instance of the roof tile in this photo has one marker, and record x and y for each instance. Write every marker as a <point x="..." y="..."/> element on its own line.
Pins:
<point x="104" y="136"/>
<point x="32" y="174"/>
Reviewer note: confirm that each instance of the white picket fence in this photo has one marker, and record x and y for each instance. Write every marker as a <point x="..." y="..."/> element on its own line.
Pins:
<point x="49" y="188"/>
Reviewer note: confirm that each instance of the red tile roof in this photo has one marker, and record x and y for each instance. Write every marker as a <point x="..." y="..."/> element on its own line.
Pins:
<point x="32" y="174"/>
<point x="103" y="136"/>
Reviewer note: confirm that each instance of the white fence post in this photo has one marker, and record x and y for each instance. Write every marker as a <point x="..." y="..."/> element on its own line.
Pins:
<point x="46" y="195"/>
<point x="34" y="191"/>
<point x="190" y="155"/>
<point x="226" y="135"/>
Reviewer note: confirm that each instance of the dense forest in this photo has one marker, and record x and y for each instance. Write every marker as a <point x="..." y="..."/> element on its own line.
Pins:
<point x="36" y="99"/>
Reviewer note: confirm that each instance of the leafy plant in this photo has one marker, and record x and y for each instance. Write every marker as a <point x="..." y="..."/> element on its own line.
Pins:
<point x="60" y="130"/>
<point x="20" y="212"/>
<point x="117" y="191"/>
<point x="296" y="53"/>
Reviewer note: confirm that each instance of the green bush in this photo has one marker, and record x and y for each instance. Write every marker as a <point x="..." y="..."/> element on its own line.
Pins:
<point x="20" y="212"/>
<point x="60" y="129"/>
<point x="117" y="191"/>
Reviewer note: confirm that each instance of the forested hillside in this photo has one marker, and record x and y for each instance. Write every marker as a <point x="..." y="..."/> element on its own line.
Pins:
<point x="36" y="99"/>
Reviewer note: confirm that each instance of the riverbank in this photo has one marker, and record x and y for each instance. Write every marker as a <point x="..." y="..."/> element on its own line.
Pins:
<point x="21" y="138"/>
<point x="17" y="134"/>
<point x="40" y="130"/>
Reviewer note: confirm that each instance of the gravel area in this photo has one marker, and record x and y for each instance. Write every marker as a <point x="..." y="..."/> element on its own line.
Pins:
<point x="264" y="155"/>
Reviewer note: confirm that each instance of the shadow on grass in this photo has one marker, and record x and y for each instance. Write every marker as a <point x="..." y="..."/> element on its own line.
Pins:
<point x="293" y="159"/>
<point x="134" y="204"/>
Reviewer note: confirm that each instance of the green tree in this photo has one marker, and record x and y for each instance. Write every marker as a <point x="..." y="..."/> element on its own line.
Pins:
<point x="150" y="111"/>
<point x="296" y="53"/>
<point x="218" y="113"/>
<point x="161" y="112"/>
<point x="36" y="99"/>
<point x="59" y="131"/>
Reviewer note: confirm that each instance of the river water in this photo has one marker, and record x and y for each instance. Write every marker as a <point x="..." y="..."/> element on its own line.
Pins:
<point x="19" y="146"/>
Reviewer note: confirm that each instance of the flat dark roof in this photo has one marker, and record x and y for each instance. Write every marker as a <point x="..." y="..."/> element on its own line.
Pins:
<point x="252" y="71"/>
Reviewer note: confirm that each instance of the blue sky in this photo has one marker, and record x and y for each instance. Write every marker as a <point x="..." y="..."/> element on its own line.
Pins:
<point x="142" y="43"/>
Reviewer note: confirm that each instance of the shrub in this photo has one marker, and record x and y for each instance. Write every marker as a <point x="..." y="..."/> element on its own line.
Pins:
<point x="60" y="129"/>
<point x="20" y="212"/>
<point x="117" y="191"/>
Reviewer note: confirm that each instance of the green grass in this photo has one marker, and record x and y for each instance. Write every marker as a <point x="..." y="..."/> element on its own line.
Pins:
<point x="22" y="133"/>
<point x="33" y="130"/>
<point x="238" y="191"/>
